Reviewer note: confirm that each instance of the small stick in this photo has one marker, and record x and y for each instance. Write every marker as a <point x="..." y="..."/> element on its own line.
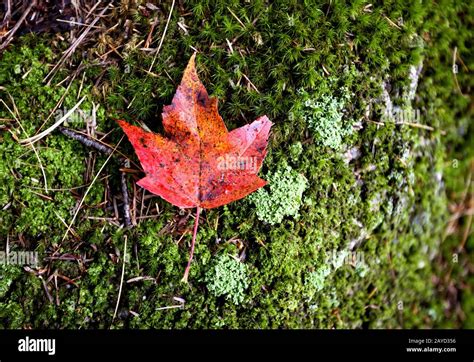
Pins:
<point x="391" y="22"/>
<point x="87" y="191"/>
<point x="126" y="206"/>
<point x="121" y="278"/>
<point x="136" y="279"/>
<point x="454" y="72"/>
<point x="90" y="142"/>
<point x="45" y="286"/>
<point x="170" y="307"/>
<point x="196" y="224"/>
<point x="163" y="36"/>
<point x="77" y="23"/>
<point x="85" y="140"/>
<point x="74" y="45"/>
<point x="133" y="213"/>
<point x="8" y="13"/>
<point x="57" y="104"/>
<point x="416" y="125"/>
<point x="237" y="18"/>
<point x="39" y="136"/>
<point x="17" y="25"/>
<point x="250" y="82"/>
<point x="92" y="9"/>
<point x="152" y="27"/>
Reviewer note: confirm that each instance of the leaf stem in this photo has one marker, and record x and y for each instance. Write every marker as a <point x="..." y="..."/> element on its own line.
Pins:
<point x="196" y="224"/>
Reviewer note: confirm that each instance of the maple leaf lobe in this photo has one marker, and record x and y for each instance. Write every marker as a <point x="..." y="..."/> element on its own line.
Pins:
<point x="186" y="167"/>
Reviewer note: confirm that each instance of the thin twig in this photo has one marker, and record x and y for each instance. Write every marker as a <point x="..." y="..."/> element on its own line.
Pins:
<point x="88" y="189"/>
<point x="454" y="71"/>
<point x="92" y="9"/>
<point x="250" y="82"/>
<point x="121" y="278"/>
<point x="57" y="104"/>
<point x="77" y="23"/>
<point x="73" y="232"/>
<point x="39" y="136"/>
<point x="90" y="142"/>
<point x="416" y="125"/>
<point x="137" y="279"/>
<point x="170" y="307"/>
<point x="237" y="18"/>
<point x="85" y="140"/>
<point x="163" y="36"/>
<point x="8" y="13"/>
<point x="97" y="143"/>
<point x="392" y="23"/>
<point x="466" y="201"/>
<point x="17" y="26"/>
<point x="74" y="45"/>
<point x="152" y="27"/>
<point x="48" y="294"/>
<point x="29" y="143"/>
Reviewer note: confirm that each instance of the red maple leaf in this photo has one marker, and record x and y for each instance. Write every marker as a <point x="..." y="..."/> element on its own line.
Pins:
<point x="199" y="163"/>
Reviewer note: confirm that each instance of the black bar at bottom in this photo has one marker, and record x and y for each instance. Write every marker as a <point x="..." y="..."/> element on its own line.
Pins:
<point x="135" y="345"/>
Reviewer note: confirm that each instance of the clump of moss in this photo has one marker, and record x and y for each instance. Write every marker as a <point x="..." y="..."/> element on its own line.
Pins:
<point x="324" y="117"/>
<point x="229" y="278"/>
<point x="8" y="273"/>
<point x="283" y="197"/>
<point x="296" y="149"/>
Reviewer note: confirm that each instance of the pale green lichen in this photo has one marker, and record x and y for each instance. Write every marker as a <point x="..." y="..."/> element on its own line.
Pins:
<point x="316" y="279"/>
<point x="324" y="117"/>
<point x="229" y="278"/>
<point x="283" y="198"/>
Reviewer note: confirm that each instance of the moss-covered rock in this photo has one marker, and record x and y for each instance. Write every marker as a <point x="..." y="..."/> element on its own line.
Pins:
<point x="342" y="181"/>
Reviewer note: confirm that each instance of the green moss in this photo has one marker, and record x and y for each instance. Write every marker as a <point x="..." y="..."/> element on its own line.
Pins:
<point x="296" y="149"/>
<point x="388" y="202"/>
<point x="25" y="176"/>
<point x="9" y="274"/>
